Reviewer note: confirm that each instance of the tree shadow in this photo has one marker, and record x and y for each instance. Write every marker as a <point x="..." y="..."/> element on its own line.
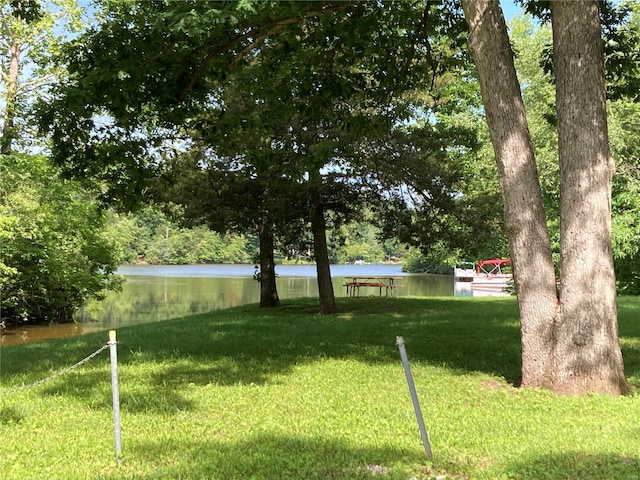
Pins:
<point x="228" y="349"/>
<point x="249" y="346"/>
<point x="94" y="389"/>
<point x="460" y="336"/>
<point x="577" y="465"/>
<point x="268" y="457"/>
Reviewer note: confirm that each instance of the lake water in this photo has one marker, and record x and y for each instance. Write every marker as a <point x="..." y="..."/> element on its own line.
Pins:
<point x="153" y="293"/>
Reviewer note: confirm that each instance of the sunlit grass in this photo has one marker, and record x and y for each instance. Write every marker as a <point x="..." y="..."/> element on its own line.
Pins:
<point x="286" y="393"/>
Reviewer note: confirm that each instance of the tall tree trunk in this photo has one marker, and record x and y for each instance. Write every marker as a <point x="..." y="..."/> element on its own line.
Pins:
<point x="11" y="100"/>
<point x="588" y="356"/>
<point x="268" y="289"/>
<point x="319" y="231"/>
<point x="524" y="215"/>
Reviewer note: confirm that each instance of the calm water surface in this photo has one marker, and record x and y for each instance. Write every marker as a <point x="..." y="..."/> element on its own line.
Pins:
<point x="153" y="293"/>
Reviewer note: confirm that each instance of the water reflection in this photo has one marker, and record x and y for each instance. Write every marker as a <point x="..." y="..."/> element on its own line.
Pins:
<point x="154" y="293"/>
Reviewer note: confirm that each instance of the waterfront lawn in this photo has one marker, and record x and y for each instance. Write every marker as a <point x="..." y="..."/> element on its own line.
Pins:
<point x="273" y="394"/>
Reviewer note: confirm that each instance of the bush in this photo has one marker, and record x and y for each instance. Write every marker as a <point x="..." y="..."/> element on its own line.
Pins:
<point x="418" y="263"/>
<point x="55" y="252"/>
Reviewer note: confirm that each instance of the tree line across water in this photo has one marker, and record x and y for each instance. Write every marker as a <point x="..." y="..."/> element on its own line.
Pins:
<point x="149" y="236"/>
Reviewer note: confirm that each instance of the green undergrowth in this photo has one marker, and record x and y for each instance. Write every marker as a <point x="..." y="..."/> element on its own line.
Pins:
<point x="248" y="393"/>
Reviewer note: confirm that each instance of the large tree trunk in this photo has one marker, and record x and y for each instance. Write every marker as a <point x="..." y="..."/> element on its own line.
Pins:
<point x="321" y="251"/>
<point x="588" y="356"/>
<point x="11" y="100"/>
<point x="524" y="215"/>
<point x="268" y="290"/>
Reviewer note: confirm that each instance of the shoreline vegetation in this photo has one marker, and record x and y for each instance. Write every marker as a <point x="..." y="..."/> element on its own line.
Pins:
<point x="285" y="393"/>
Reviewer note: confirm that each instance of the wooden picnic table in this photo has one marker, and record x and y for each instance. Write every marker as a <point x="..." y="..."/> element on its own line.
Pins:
<point x="354" y="283"/>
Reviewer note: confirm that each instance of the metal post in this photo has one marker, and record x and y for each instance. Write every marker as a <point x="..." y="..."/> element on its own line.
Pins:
<point x="414" y="398"/>
<point x="115" y="395"/>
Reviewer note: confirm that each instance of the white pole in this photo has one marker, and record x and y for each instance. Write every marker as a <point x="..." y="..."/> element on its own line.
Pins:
<point x="115" y="395"/>
<point x="414" y="398"/>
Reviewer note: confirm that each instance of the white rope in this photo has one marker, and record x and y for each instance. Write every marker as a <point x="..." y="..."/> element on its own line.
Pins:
<point x="57" y="374"/>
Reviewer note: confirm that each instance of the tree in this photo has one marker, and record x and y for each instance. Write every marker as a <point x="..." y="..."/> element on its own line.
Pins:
<point x="532" y="42"/>
<point x="565" y="346"/>
<point x="315" y="83"/>
<point x="587" y="333"/>
<point x="56" y="250"/>
<point x="187" y="52"/>
<point x="30" y="34"/>
<point x="622" y="52"/>
<point x="435" y="198"/>
<point x="233" y="192"/>
<point x="625" y="143"/>
<point x="320" y="72"/>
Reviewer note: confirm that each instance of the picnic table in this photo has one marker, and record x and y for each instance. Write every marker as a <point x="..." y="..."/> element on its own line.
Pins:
<point x="354" y="284"/>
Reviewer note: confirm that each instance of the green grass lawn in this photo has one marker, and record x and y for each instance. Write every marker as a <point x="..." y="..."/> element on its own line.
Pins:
<point x="287" y="394"/>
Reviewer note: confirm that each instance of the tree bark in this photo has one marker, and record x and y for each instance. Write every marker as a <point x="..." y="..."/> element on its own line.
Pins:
<point x="524" y="216"/>
<point x="588" y="356"/>
<point x="11" y="100"/>
<point x="321" y="250"/>
<point x="268" y="289"/>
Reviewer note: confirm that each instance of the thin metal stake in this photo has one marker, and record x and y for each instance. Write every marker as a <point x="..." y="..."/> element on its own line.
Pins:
<point x="414" y="398"/>
<point x="115" y="395"/>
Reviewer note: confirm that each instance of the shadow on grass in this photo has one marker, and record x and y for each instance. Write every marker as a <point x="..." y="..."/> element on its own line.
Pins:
<point x="94" y="389"/>
<point x="283" y="456"/>
<point x="577" y="465"/>
<point x="249" y="345"/>
<point x="245" y="346"/>
<point x="268" y="457"/>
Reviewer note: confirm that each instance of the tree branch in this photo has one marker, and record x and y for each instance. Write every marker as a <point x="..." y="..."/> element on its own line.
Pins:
<point x="259" y="36"/>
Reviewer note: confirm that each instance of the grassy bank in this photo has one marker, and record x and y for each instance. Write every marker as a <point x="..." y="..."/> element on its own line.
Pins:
<point x="249" y="394"/>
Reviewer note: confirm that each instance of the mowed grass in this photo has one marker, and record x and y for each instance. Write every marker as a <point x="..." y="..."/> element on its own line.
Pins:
<point x="288" y="394"/>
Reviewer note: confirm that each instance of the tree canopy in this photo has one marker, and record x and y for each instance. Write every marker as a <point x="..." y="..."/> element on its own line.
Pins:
<point x="285" y="105"/>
